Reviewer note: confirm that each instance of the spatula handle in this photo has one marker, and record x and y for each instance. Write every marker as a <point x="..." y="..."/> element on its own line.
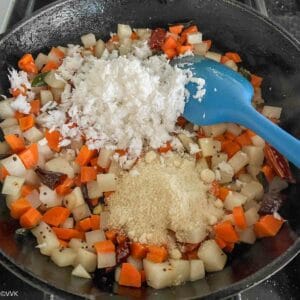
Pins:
<point x="285" y="143"/>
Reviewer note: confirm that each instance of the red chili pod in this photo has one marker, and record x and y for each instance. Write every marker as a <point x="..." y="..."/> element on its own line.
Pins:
<point x="279" y="163"/>
<point x="157" y="38"/>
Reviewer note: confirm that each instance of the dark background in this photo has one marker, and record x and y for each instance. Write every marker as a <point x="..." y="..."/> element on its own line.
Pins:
<point x="283" y="285"/>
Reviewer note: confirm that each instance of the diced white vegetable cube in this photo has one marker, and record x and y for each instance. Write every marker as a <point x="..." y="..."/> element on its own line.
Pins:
<point x="234" y="199"/>
<point x="247" y="235"/>
<point x="253" y="190"/>
<point x="255" y="155"/>
<point x="93" y="237"/>
<point x="124" y="31"/>
<point x="231" y="64"/>
<point x="209" y="146"/>
<point x="138" y="263"/>
<point x="218" y="158"/>
<point x="194" y="38"/>
<point x="78" y="244"/>
<point x="115" y="167"/>
<point x="56" y="92"/>
<point x="181" y="270"/>
<point x="272" y="112"/>
<point x="46" y="238"/>
<point x="63" y="257"/>
<point x="99" y="48"/>
<point x="201" y="165"/>
<point x="14" y="165"/>
<point x="87" y="259"/>
<point x="234" y="128"/>
<point x="104" y="157"/>
<point x="74" y="199"/>
<point x="107" y="182"/>
<point x="44" y="149"/>
<point x="207" y="175"/>
<point x="245" y="178"/>
<point x="143" y="33"/>
<point x="80" y="271"/>
<point x="93" y="189"/>
<point x="229" y="218"/>
<point x="158" y="275"/>
<point x="213" y="257"/>
<point x="4" y="148"/>
<point x="238" y="161"/>
<point x="125" y="46"/>
<point x="61" y="165"/>
<point x="200" y="49"/>
<point x="9" y="122"/>
<point x="258" y="141"/>
<point x="69" y="223"/>
<point x="5" y="109"/>
<point x="106" y="260"/>
<point x="197" y="270"/>
<point x="214" y="56"/>
<point x="33" y="135"/>
<point x="251" y="204"/>
<point x="88" y="40"/>
<point x="188" y="143"/>
<point x="53" y="82"/>
<point x="34" y="199"/>
<point x="251" y="216"/>
<point x="41" y="60"/>
<point x="15" y="129"/>
<point x="49" y="197"/>
<point x="46" y="96"/>
<point x="81" y="212"/>
<point x="215" y="130"/>
<point x="12" y="185"/>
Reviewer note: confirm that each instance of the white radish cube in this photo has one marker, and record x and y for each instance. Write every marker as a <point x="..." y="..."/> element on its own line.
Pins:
<point x="253" y="190"/>
<point x="93" y="237"/>
<point x="245" y="178"/>
<point x="238" y="161"/>
<point x="104" y="216"/>
<point x="253" y="170"/>
<point x="78" y="244"/>
<point x="93" y="189"/>
<point x="107" y="182"/>
<point x="106" y="260"/>
<point x="231" y="64"/>
<point x="44" y="149"/>
<point x="200" y="49"/>
<point x="88" y="40"/>
<point x="247" y="235"/>
<point x="49" y="197"/>
<point x="15" y="129"/>
<point x="99" y="48"/>
<point x="63" y="257"/>
<point x="74" y="199"/>
<point x="33" y="135"/>
<point x="209" y="146"/>
<point x="12" y="185"/>
<point x="46" y="96"/>
<point x="5" y="109"/>
<point x="104" y="158"/>
<point x="56" y="92"/>
<point x="214" y="56"/>
<point x="255" y="154"/>
<point x="187" y="143"/>
<point x="69" y="223"/>
<point x="125" y="46"/>
<point x="234" y="129"/>
<point x="251" y="216"/>
<point x="81" y="212"/>
<point x="137" y="263"/>
<point x="9" y="122"/>
<point x="80" y="271"/>
<point x="194" y="38"/>
<point x="197" y="270"/>
<point x="181" y="271"/>
<point x="87" y="259"/>
<point x="234" y="199"/>
<point x="213" y="257"/>
<point x="53" y="82"/>
<point x="258" y="141"/>
<point x="215" y="130"/>
<point x="34" y="199"/>
<point x="218" y="158"/>
<point x="14" y="165"/>
<point x="207" y="175"/>
<point x="61" y="165"/>
<point x="124" y="31"/>
<point x="41" y="60"/>
<point x="158" y="275"/>
<point x="201" y="165"/>
<point x="272" y="112"/>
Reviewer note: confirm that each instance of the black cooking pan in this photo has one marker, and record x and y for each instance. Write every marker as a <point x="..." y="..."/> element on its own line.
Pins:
<point x="266" y="49"/>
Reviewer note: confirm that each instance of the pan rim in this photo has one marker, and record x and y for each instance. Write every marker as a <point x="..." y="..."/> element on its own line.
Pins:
<point x="246" y="283"/>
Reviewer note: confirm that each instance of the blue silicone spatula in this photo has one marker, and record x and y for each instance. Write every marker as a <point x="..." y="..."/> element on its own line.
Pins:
<point x="228" y="99"/>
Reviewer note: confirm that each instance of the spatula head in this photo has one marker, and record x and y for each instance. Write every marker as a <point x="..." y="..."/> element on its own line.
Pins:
<point x="226" y="92"/>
